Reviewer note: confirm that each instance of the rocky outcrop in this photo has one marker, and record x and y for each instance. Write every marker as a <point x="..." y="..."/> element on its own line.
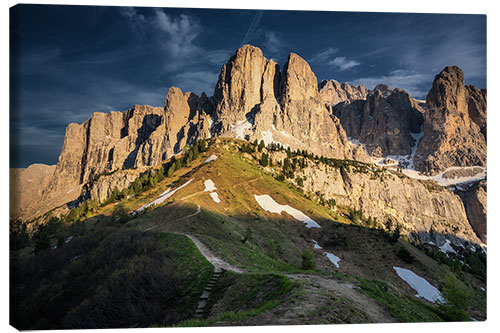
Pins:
<point x="242" y="86"/>
<point x="103" y="187"/>
<point x="474" y="199"/>
<point x="331" y="92"/>
<point x="476" y="104"/>
<point x="140" y="137"/>
<point x="432" y="212"/>
<point x="26" y="187"/>
<point x="455" y="125"/>
<point x="256" y="101"/>
<point x="384" y="122"/>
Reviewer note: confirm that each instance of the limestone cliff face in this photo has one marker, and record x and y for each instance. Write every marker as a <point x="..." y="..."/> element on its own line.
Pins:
<point x="476" y="104"/>
<point x="455" y="125"/>
<point x="102" y="188"/>
<point x="26" y="187"/>
<point x="240" y="86"/>
<point x="139" y="137"/>
<point x="384" y="121"/>
<point x="432" y="212"/>
<point x="332" y="92"/>
<point x="474" y="199"/>
<point x="254" y="100"/>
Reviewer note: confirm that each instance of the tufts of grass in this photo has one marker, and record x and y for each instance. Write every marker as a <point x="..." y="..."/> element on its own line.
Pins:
<point x="407" y="308"/>
<point x="252" y="294"/>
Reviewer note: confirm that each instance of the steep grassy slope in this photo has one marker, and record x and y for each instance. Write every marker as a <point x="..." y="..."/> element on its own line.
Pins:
<point x="108" y="276"/>
<point x="242" y="233"/>
<point x="266" y="246"/>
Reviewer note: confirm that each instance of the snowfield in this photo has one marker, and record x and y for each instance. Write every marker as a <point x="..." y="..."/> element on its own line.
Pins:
<point x="405" y="162"/>
<point x="210" y="159"/>
<point x="446" y="248"/>
<point x="215" y="197"/>
<point x="269" y="205"/>
<point x="240" y="128"/>
<point x="164" y="196"/>
<point x="333" y="258"/>
<point x="316" y="245"/>
<point x="267" y="137"/>
<point x="422" y="287"/>
<point x="209" y="186"/>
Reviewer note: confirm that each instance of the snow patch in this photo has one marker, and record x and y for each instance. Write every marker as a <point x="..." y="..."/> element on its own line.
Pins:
<point x="422" y="287"/>
<point x="164" y="196"/>
<point x="210" y="159"/>
<point x="333" y="258"/>
<point x="459" y="180"/>
<point x="356" y="142"/>
<point x="269" y="205"/>
<point x="285" y="134"/>
<point x="316" y="245"/>
<point x="209" y="186"/>
<point x="240" y="128"/>
<point x="448" y="181"/>
<point x="446" y="248"/>
<point x="267" y="137"/>
<point x="215" y="197"/>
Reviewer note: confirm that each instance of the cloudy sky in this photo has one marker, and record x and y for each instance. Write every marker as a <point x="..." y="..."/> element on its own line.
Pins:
<point x="71" y="61"/>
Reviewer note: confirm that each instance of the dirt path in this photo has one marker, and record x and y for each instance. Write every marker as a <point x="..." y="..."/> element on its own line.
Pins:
<point x="213" y="259"/>
<point x="375" y="311"/>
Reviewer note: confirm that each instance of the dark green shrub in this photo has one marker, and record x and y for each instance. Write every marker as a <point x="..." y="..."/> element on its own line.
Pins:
<point x="120" y="214"/>
<point x="455" y="299"/>
<point x="308" y="260"/>
<point x="405" y="255"/>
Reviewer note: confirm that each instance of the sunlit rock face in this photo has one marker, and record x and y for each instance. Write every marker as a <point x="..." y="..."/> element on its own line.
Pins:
<point x="455" y="124"/>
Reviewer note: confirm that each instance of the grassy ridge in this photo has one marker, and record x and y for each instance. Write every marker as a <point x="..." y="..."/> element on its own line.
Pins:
<point x="113" y="276"/>
<point x="249" y="294"/>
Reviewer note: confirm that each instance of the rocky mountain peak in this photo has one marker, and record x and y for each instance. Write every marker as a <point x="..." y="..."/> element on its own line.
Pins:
<point x="332" y="92"/>
<point x="238" y="89"/>
<point x="384" y="89"/>
<point x="298" y="81"/>
<point x="451" y="135"/>
<point x="384" y="121"/>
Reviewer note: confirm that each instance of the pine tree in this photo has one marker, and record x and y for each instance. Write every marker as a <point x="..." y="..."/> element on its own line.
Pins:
<point x="261" y="145"/>
<point x="264" y="160"/>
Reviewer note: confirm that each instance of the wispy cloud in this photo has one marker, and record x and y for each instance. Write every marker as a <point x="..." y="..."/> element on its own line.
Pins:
<point x="343" y="64"/>
<point x="407" y="80"/>
<point x="135" y="20"/>
<point x="323" y="56"/>
<point x="328" y="58"/>
<point x="253" y="28"/>
<point x="217" y="57"/>
<point x="274" y="42"/>
<point x="181" y="32"/>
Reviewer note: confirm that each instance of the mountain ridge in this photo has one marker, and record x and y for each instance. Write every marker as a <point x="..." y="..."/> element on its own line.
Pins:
<point x="255" y="100"/>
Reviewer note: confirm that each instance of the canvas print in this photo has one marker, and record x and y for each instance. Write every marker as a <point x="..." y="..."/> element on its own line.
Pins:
<point x="220" y="167"/>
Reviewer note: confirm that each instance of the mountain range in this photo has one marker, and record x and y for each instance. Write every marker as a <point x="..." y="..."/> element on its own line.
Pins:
<point x="275" y="201"/>
<point x="254" y="99"/>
